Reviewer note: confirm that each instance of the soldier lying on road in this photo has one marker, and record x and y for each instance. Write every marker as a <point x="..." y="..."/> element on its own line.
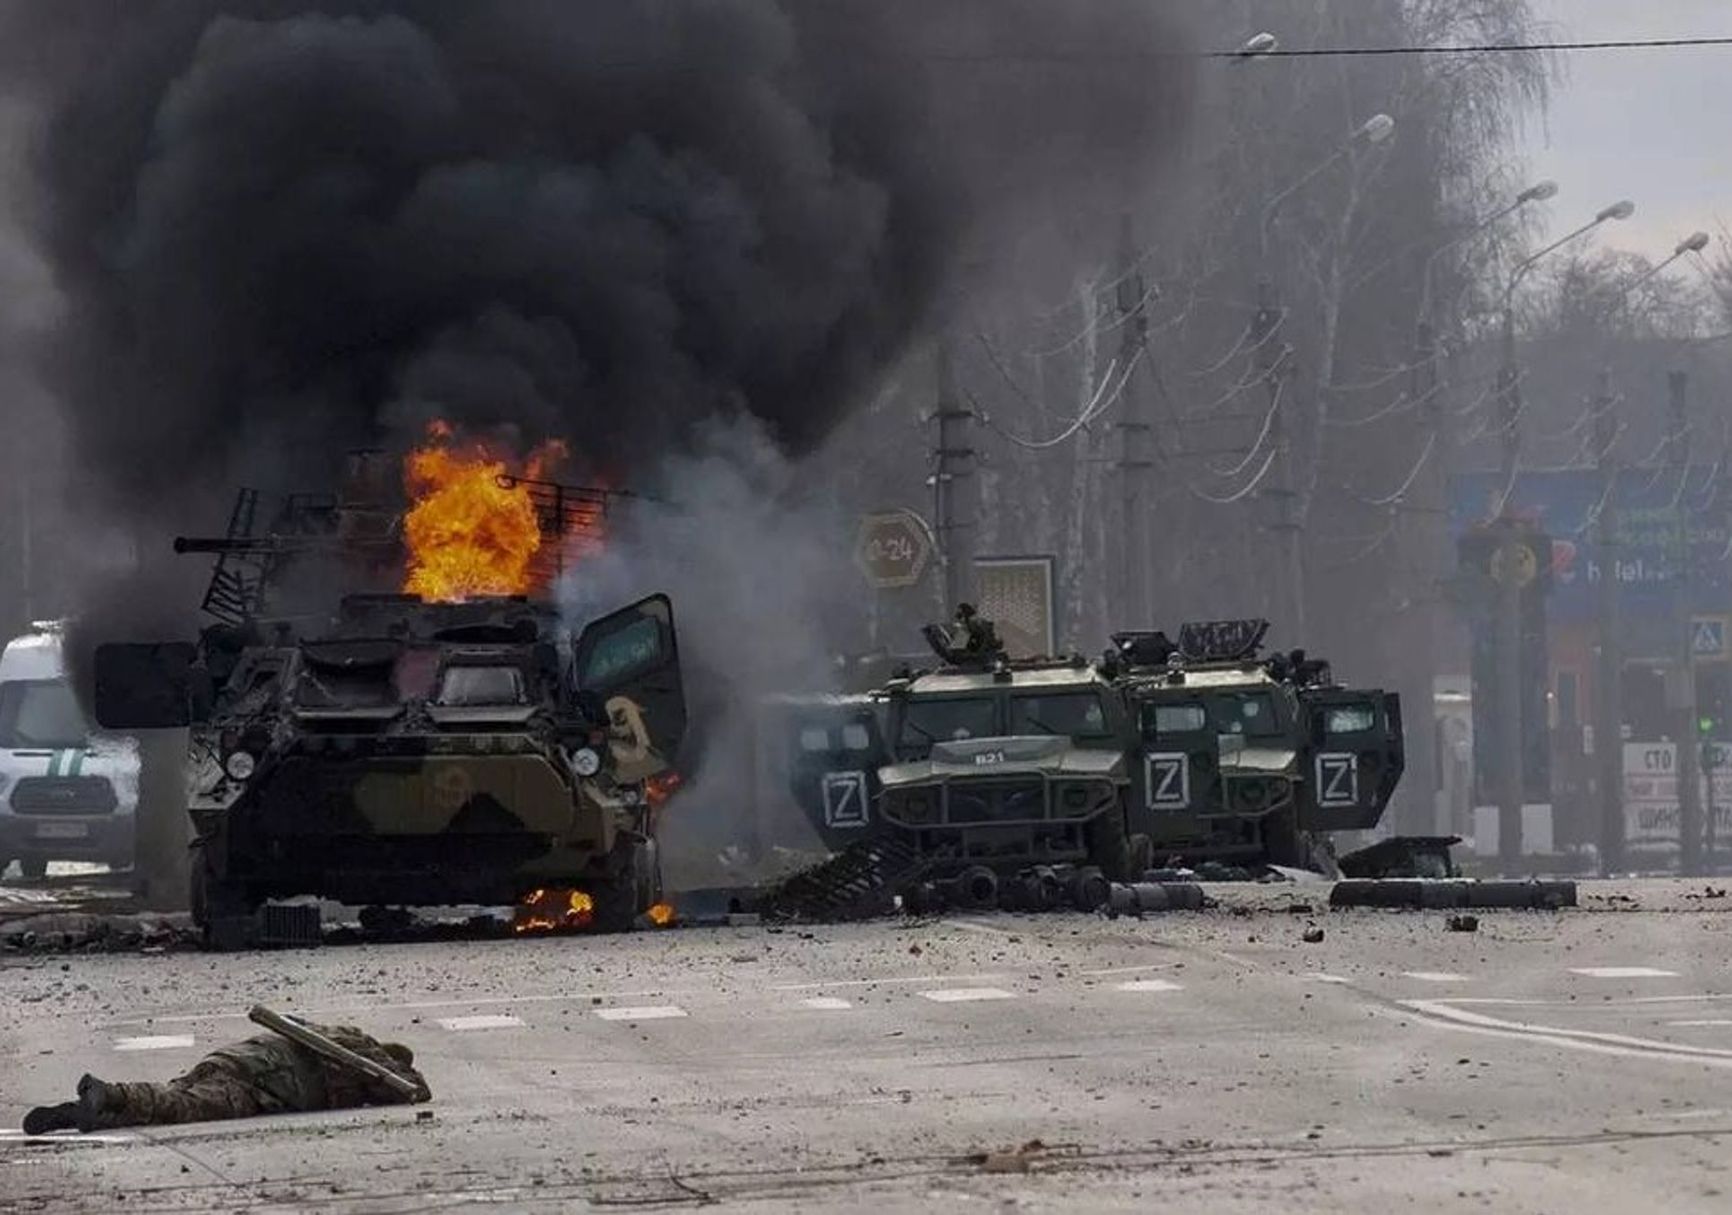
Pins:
<point x="267" y="1074"/>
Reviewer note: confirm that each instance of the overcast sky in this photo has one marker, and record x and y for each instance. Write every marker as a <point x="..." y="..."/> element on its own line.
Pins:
<point x="1640" y="124"/>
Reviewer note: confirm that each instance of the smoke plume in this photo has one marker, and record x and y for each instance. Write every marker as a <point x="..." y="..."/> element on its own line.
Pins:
<point x="284" y="226"/>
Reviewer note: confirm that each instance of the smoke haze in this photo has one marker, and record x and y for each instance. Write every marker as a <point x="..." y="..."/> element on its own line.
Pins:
<point x="284" y="227"/>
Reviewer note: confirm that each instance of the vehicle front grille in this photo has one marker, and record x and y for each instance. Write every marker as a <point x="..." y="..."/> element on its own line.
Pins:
<point x="997" y="801"/>
<point x="64" y="795"/>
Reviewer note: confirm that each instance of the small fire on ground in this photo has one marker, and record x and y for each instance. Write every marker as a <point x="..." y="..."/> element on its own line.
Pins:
<point x="472" y="527"/>
<point x="553" y="910"/>
<point x="661" y="915"/>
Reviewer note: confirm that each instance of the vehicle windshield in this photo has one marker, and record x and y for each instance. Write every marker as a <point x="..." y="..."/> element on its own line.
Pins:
<point x="335" y="689"/>
<point x="41" y="713"/>
<point x="1183" y="717"/>
<point x="925" y="722"/>
<point x="1071" y="714"/>
<point x="1250" y="713"/>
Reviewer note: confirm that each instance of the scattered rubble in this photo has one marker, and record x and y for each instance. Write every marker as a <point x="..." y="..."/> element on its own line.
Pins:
<point x="1462" y="922"/>
<point x="1313" y="935"/>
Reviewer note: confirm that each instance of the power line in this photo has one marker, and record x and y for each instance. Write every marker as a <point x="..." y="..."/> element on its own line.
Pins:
<point x="1483" y="48"/>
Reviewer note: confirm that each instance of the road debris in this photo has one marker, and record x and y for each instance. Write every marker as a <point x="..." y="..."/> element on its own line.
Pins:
<point x="1462" y="922"/>
<point x="1313" y="935"/>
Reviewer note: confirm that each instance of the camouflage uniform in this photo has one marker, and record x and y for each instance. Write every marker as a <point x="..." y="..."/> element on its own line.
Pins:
<point x="266" y="1074"/>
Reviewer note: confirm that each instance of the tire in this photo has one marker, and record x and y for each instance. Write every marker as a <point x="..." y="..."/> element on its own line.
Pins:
<point x="634" y="887"/>
<point x="221" y="910"/>
<point x="1110" y="848"/>
<point x="1142" y="855"/>
<point x="33" y="867"/>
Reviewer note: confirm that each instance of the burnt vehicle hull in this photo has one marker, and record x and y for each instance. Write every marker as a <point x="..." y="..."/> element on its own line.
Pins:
<point x="419" y="754"/>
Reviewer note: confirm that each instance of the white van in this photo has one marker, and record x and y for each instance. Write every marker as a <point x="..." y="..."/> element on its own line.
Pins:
<point x="67" y="793"/>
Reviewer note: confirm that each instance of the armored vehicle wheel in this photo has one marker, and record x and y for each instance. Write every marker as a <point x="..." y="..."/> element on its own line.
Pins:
<point x="33" y="867"/>
<point x="220" y="909"/>
<point x="637" y="885"/>
<point x="1111" y="849"/>
<point x="1142" y="855"/>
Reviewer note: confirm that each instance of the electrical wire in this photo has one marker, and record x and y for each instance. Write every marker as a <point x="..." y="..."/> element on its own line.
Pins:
<point x="1094" y="409"/>
<point x="1412" y="476"/>
<point x="1253" y="483"/>
<point x="1262" y="434"/>
<point x="1483" y="48"/>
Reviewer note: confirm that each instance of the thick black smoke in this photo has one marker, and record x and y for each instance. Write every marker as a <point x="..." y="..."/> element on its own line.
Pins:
<point x="282" y="228"/>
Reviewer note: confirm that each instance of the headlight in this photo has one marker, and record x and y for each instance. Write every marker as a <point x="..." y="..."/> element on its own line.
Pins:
<point x="585" y="762"/>
<point x="240" y="765"/>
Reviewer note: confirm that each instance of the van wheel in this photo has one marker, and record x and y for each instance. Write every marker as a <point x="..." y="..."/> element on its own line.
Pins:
<point x="33" y="867"/>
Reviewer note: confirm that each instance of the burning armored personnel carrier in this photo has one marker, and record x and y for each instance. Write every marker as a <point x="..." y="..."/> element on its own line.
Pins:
<point x="394" y="750"/>
<point x="991" y="780"/>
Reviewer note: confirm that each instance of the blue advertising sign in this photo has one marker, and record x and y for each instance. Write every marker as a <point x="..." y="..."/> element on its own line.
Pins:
<point x="1647" y="502"/>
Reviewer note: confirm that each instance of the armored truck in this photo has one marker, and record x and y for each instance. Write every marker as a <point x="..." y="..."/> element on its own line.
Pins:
<point x="1251" y="759"/>
<point x="393" y="751"/>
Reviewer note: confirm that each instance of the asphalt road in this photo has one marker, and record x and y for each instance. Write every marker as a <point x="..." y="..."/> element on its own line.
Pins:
<point x="1577" y="1061"/>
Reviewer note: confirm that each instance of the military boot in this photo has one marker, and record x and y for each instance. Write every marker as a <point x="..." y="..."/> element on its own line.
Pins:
<point x="45" y="1118"/>
<point x="95" y="1101"/>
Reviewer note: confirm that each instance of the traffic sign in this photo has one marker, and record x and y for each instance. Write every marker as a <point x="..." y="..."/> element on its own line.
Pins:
<point x="893" y="548"/>
<point x="1708" y="637"/>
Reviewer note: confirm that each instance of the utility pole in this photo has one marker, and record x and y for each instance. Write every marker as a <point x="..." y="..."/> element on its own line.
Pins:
<point x="1508" y="565"/>
<point x="1272" y="362"/>
<point x="1609" y="703"/>
<point x="952" y="470"/>
<point x="1135" y="603"/>
<point x="1684" y="679"/>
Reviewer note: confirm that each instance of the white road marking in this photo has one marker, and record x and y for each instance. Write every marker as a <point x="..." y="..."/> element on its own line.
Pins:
<point x="1622" y="972"/>
<point x="1623" y="1045"/>
<point x="960" y="995"/>
<point x="7" y="1134"/>
<point x="995" y="978"/>
<point x="972" y="926"/>
<point x="1149" y="985"/>
<point x="1314" y="976"/>
<point x="826" y="1004"/>
<point x="1434" y="976"/>
<point x="1700" y="1024"/>
<point x="485" y="1021"/>
<point x="652" y="1012"/>
<point x="159" y="1042"/>
<point x="569" y="997"/>
<point x="1126" y="970"/>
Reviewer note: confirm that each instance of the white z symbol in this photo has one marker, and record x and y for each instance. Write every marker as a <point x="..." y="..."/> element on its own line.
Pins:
<point x="1169" y="779"/>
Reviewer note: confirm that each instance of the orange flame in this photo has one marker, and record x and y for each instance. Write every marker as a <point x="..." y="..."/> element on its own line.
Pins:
<point x="469" y="530"/>
<point x="553" y="910"/>
<point x="657" y="789"/>
<point x="661" y="915"/>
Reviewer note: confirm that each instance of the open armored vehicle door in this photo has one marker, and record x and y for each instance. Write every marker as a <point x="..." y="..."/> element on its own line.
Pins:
<point x="151" y="686"/>
<point x="630" y="662"/>
<point x="1356" y="758"/>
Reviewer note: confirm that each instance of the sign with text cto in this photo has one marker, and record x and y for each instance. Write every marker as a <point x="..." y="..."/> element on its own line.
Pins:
<point x="893" y="549"/>
<point x="1651" y="793"/>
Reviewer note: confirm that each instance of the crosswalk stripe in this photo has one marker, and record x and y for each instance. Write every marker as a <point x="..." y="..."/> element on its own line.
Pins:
<point x="1148" y="985"/>
<point x="157" y="1042"/>
<point x="960" y="995"/>
<point x="1623" y="972"/>
<point x="1434" y="976"/>
<point x="826" y="1004"/>
<point x="652" y="1012"/>
<point x="485" y="1021"/>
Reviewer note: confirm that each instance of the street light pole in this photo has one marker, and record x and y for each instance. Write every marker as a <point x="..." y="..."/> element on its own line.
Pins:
<point x="1512" y="794"/>
<point x="1283" y="492"/>
<point x="1432" y="524"/>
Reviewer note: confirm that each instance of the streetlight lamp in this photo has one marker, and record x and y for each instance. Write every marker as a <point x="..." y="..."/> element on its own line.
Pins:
<point x="1259" y="45"/>
<point x="1693" y="243"/>
<point x="1373" y="130"/>
<point x="1540" y="191"/>
<point x="1509" y="390"/>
